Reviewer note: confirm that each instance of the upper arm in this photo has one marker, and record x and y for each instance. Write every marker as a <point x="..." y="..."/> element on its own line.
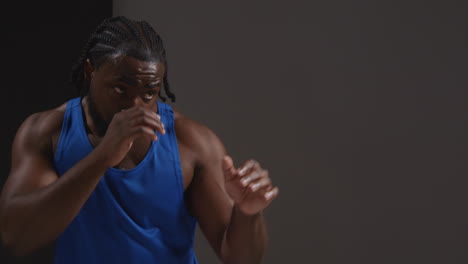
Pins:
<point x="208" y="199"/>
<point x="32" y="155"/>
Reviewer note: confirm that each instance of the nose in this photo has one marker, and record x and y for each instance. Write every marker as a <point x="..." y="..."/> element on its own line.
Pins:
<point x="133" y="101"/>
<point x="137" y="101"/>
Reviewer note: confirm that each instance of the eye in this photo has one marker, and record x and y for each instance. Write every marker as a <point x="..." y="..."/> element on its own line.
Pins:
<point x="149" y="95"/>
<point x="119" y="90"/>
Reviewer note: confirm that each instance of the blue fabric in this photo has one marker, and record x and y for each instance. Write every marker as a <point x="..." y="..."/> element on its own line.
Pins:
<point x="133" y="216"/>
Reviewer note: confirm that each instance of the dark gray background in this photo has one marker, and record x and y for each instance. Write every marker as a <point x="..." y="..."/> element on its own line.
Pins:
<point x="357" y="109"/>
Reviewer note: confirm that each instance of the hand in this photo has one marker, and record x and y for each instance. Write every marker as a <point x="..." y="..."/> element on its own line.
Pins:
<point x="124" y="128"/>
<point x="249" y="186"/>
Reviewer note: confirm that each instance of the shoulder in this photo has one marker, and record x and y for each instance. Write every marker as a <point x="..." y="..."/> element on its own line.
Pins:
<point x="200" y="139"/>
<point x="41" y="129"/>
<point x="45" y="122"/>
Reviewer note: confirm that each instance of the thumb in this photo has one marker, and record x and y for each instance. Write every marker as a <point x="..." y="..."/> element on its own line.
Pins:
<point x="228" y="167"/>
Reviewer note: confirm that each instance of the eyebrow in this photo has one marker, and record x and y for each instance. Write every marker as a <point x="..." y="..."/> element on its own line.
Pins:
<point x="125" y="79"/>
<point x="130" y="81"/>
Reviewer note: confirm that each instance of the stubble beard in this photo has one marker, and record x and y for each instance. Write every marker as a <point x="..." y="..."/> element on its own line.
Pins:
<point x="100" y="124"/>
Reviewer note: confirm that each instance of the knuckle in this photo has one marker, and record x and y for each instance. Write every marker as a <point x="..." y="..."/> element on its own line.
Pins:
<point x="251" y="163"/>
<point x="256" y="164"/>
<point x="257" y="174"/>
<point x="262" y="182"/>
<point x="135" y="121"/>
<point x="117" y="116"/>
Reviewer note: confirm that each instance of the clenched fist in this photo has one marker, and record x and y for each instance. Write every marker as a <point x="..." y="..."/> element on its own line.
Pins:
<point x="124" y="128"/>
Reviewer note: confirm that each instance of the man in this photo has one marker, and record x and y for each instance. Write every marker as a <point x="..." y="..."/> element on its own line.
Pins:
<point x="115" y="176"/>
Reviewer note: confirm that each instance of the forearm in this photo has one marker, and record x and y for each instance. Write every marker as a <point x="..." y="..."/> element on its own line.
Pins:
<point x="30" y="221"/>
<point x="245" y="239"/>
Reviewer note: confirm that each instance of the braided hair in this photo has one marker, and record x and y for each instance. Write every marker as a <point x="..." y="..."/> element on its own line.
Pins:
<point x="120" y="36"/>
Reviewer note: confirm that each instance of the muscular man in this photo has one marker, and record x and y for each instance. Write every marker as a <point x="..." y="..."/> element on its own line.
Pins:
<point x="116" y="176"/>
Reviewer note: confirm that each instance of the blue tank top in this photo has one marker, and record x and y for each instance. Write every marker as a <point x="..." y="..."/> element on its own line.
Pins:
<point x="133" y="216"/>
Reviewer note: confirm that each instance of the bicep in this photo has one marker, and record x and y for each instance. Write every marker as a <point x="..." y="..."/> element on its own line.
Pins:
<point x="209" y="201"/>
<point x="31" y="166"/>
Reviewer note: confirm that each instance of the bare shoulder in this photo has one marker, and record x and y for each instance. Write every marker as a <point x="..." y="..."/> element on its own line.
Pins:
<point x="42" y="129"/>
<point x="32" y="152"/>
<point x="45" y="122"/>
<point x="197" y="137"/>
<point x="191" y="130"/>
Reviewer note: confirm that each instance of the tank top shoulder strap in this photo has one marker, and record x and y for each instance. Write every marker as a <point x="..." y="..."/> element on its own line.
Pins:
<point x="166" y="113"/>
<point x="66" y="125"/>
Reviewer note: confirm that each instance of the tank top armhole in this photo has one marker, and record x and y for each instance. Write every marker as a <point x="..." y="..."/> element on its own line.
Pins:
<point x="166" y="110"/>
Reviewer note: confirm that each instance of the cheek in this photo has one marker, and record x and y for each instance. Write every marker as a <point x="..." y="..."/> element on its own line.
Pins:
<point x="112" y="106"/>
<point x="103" y="103"/>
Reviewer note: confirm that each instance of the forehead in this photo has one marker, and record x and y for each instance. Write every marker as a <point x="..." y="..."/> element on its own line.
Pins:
<point x="129" y="66"/>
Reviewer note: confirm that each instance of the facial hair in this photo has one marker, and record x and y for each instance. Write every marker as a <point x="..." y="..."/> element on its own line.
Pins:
<point x="100" y="124"/>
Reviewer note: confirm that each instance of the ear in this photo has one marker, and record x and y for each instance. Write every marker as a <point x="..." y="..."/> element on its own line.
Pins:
<point x="88" y="70"/>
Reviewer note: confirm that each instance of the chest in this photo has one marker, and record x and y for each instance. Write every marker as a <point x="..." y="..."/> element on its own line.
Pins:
<point x="139" y="150"/>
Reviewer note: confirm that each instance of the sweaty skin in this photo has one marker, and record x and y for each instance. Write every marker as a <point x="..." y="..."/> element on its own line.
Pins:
<point x="121" y="116"/>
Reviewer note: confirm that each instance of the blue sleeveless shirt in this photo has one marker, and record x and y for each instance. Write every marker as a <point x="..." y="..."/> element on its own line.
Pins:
<point x="133" y="216"/>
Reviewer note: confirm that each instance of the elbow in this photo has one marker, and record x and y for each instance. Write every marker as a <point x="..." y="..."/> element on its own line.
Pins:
<point x="18" y="247"/>
<point x="8" y="243"/>
<point x="9" y="238"/>
<point x="11" y="242"/>
<point x="11" y="245"/>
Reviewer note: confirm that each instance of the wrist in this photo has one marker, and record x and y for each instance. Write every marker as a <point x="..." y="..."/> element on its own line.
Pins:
<point x="101" y="158"/>
<point x="238" y="211"/>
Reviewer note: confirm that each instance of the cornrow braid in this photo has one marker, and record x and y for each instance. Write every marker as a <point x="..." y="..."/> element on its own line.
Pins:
<point x="156" y="41"/>
<point x="118" y="31"/>
<point x="147" y="31"/>
<point x="120" y="36"/>
<point x="133" y="28"/>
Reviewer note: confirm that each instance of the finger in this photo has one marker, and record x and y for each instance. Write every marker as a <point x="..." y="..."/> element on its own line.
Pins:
<point x="158" y="120"/>
<point x="272" y="194"/>
<point x="262" y="183"/>
<point x="228" y="167"/>
<point x="136" y="111"/>
<point x="253" y="176"/>
<point x="141" y="115"/>
<point x="248" y="166"/>
<point x="146" y="120"/>
<point x="144" y="131"/>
